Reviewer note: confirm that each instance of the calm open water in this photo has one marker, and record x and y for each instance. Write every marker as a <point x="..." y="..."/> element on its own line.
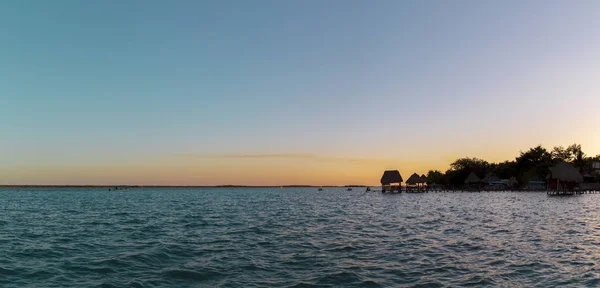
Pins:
<point x="295" y="238"/>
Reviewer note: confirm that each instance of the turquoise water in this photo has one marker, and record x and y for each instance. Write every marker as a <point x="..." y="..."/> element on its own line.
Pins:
<point x="295" y="238"/>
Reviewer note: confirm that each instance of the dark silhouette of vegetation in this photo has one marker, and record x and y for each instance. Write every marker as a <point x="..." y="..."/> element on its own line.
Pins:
<point x="462" y="167"/>
<point x="505" y="169"/>
<point x="533" y="164"/>
<point x="435" y="177"/>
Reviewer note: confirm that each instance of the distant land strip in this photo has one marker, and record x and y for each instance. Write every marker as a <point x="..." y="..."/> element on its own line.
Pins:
<point x="168" y="186"/>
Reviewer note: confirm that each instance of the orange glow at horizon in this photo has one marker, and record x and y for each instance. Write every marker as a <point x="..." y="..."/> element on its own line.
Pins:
<point x="248" y="169"/>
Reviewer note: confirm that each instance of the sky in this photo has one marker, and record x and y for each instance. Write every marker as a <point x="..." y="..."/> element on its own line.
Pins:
<point x="288" y="92"/>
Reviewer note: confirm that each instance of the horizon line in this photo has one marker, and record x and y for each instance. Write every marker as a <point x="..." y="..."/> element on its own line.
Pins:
<point x="175" y="186"/>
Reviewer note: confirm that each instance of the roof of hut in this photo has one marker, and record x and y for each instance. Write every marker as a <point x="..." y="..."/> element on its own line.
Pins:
<point x="414" y="179"/>
<point x="472" y="178"/>
<point x="565" y="172"/>
<point x="391" y="176"/>
<point x="423" y="178"/>
<point x="490" y="177"/>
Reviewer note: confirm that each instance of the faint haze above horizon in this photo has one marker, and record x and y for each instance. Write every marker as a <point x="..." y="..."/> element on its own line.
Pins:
<point x="288" y="92"/>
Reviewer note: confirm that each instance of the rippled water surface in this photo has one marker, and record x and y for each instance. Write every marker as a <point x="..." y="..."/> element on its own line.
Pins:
<point x="295" y="238"/>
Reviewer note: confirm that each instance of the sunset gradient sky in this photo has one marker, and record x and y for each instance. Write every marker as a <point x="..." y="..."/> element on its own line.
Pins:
<point x="288" y="92"/>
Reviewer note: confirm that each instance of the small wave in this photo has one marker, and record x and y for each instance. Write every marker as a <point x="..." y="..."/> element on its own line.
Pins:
<point x="428" y="284"/>
<point x="304" y="285"/>
<point x="339" y="278"/>
<point x="197" y="224"/>
<point x="7" y="272"/>
<point x="592" y="282"/>
<point x="94" y="268"/>
<point x="135" y="284"/>
<point x="112" y="262"/>
<point x="431" y="222"/>
<point x="347" y="248"/>
<point x="40" y="274"/>
<point x="498" y="262"/>
<point x="108" y="285"/>
<point x="451" y="231"/>
<point x="478" y="281"/>
<point x="370" y="284"/>
<point x="202" y="275"/>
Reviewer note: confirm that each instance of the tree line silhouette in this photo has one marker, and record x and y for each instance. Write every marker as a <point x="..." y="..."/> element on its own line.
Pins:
<point x="532" y="164"/>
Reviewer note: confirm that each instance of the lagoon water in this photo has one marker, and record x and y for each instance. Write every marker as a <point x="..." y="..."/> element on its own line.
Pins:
<point x="295" y="237"/>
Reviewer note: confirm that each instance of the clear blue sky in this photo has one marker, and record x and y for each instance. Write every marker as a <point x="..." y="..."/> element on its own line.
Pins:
<point x="232" y="86"/>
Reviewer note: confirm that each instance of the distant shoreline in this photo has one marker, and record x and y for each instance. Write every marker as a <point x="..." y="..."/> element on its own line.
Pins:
<point x="167" y="186"/>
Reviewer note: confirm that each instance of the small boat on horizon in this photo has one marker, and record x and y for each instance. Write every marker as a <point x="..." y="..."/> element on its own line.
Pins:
<point x="349" y="189"/>
<point x="320" y="188"/>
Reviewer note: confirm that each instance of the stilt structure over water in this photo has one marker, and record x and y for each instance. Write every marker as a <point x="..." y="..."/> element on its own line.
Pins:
<point x="389" y="178"/>
<point x="472" y="182"/>
<point x="562" y="179"/>
<point x="414" y="184"/>
<point x="424" y="184"/>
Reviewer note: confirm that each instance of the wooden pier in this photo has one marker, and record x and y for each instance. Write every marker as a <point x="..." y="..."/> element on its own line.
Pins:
<point x="404" y="189"/>
<point x="570" y="192"/>
<point x="560" y="192"/>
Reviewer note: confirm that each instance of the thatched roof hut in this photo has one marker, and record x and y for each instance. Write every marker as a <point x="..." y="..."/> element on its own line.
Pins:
<point x="490" y="177"/>
<point x="414" y="179"/>
<point x="565" y="172"/>
<point x="391" y="176"/>
<point x="423" y="178"/>
<point x="472" y="179"/>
